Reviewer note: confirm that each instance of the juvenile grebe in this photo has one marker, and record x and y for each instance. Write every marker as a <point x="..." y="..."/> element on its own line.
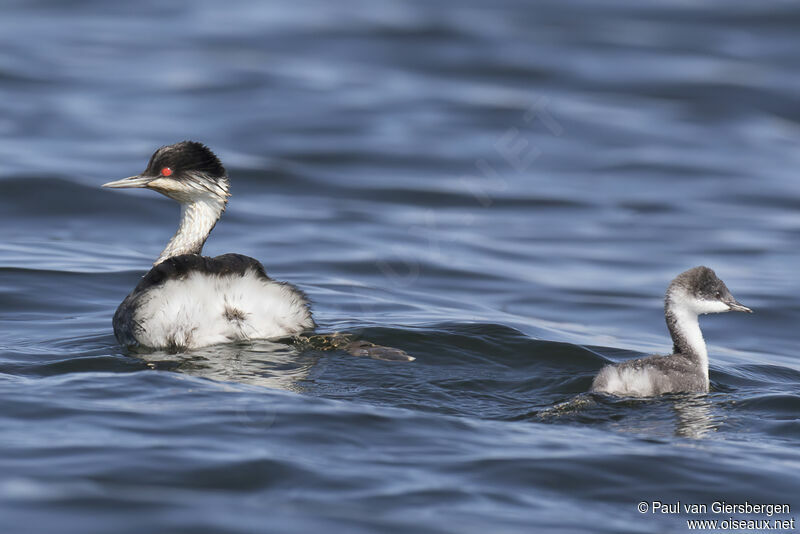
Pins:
<point x="692" y="293"/>
<point x="187" y="300"/>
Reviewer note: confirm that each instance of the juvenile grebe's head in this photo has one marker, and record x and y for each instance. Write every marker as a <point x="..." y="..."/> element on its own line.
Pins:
<point x="187" y="172"/>
<point x="699" y="291"/>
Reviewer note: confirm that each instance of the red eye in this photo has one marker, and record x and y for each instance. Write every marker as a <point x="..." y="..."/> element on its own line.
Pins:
<point x="166" y="171"/>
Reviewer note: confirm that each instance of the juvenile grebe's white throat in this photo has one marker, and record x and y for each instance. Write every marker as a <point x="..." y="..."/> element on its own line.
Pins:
<point x="681" y="311"/>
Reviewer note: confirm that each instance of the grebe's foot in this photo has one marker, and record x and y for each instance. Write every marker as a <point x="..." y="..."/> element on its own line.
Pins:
<point x="354" y="347"/>
<point x="377" y="352"/>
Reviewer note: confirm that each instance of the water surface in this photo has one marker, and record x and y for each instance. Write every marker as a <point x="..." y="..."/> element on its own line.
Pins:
<point x="502" y="189"/>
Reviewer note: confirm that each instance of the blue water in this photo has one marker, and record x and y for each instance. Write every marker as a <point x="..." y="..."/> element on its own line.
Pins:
<point x="502" y="189"/>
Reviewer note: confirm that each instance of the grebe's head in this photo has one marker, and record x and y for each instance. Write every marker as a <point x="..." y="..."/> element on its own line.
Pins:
<point x="699" y="291"/>
<point x="187" y="172"/>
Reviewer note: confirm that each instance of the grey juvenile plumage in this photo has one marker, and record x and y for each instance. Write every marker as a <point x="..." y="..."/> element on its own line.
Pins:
<point x="692" y="293"/>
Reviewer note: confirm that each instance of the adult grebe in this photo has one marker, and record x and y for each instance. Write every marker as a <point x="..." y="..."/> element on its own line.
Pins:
<point x="187" y="300"/>
<point x="694" y="292"/>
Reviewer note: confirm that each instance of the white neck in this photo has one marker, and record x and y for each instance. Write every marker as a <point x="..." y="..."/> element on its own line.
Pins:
<point x="684" y="328"/>
<point x="198" y="218"/>
<point x="688" y="327"/>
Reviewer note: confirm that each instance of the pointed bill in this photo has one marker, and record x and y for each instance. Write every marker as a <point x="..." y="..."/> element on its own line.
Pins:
<point x="735" y="306"/>
<point x="131" y="181"/>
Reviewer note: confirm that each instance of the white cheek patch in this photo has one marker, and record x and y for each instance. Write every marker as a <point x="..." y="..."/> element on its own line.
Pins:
<point x="164" y="184"/>
<point x="185" y="192"/>
<point x="710" y="306"/>
<point x="681" y="300"/>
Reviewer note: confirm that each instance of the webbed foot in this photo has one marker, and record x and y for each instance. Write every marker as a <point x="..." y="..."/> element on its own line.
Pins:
<point x="378" y="352"/>
<point x="354" y="347"/>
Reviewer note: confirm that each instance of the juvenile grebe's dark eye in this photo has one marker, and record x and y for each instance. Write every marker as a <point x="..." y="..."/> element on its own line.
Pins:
<point x="166" y="171"/>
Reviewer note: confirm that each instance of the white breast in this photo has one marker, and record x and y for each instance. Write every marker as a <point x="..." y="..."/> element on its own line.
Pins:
<point x="625" y="382"/>
<point x="202" y="309"/>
